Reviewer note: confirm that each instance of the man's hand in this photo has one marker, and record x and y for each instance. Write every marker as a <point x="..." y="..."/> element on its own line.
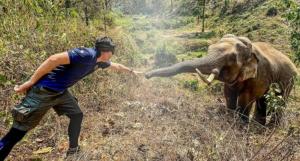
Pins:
<point x="24" y="87"/>
<point x="123" y="68"/>
<point x="136" y="73"/>
<point x="147" y="75"/>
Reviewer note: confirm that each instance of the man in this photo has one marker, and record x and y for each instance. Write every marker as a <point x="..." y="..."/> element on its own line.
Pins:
<point x="48" y="88"/>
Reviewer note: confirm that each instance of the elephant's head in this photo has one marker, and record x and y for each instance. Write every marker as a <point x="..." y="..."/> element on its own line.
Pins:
<point x="229" y="60"/>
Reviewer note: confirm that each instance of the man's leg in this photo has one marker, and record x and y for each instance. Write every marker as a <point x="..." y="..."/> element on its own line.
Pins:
<point x="26" y="115"/>
<point x="15" y="134"/>
<point x="9" y="141"/>
<point x="69" y="106"/>
<point x="74" y="129"/>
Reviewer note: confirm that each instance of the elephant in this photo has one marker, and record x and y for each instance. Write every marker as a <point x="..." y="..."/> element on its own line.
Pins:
<point x="248" y="69"/>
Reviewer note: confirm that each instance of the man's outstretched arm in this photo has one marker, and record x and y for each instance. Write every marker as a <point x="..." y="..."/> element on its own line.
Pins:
<point x="47" y="66"/>
<point x="123" y="68"/>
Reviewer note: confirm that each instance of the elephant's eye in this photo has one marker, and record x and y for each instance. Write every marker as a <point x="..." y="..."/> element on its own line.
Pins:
<point x="233" y="57"/>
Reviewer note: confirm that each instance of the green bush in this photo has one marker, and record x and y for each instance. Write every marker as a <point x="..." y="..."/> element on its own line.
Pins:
<point x="163" y="58"/>
<point x="191" y="84"/>
<point x="293" y="16"/>
<point x="275" y="102"/>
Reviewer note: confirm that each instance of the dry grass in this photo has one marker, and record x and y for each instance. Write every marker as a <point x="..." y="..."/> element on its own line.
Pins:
<point x="129" y="118"/>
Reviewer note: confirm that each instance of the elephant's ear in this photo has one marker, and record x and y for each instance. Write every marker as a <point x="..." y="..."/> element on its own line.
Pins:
<point x="249" y="60"/>
<point x="249" y="68"/>
<point x="244" y="49"/>
<point x="246" y="41"/>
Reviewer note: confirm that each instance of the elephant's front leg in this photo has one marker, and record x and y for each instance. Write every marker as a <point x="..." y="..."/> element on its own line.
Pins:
<point x="231" y="95"/>
<point x="245" y="102"/>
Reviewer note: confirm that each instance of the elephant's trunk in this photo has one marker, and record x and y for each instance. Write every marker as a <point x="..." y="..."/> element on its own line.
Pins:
<point x="206" y="65"/>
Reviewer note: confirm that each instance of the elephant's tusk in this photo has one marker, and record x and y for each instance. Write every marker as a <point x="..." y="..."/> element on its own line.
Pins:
<point x="211" y="77"/>
<point x="207" y="81"/>
<point x="201" y="76"/>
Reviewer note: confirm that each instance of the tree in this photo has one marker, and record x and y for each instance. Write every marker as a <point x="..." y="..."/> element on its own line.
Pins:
<point x="105" y="9"/>
<point x="86" y="14"/>
<point x="203" y="15"/>
<point x="202" y="5"/>
<point x="93" y="9"/>
<point x="67" y="6"/>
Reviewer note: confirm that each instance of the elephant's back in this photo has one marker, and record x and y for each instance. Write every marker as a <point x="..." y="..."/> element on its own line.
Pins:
<point x="281" y="66"/>
<point x="275" y="57"/>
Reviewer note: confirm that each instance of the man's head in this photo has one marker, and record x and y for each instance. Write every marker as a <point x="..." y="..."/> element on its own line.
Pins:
<point x="105" y="47"/>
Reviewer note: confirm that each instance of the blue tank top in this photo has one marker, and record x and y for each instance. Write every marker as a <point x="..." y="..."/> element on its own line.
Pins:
<point x="83" y="61"/>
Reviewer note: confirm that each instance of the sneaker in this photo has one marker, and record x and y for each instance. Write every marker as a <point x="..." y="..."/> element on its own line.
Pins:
<point x="73" y="151"/>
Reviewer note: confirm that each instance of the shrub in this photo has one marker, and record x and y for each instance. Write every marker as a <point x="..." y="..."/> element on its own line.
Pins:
<point x="275" y="102"/>
<point x="293" y="16"/>
<point x="191" y="84"/>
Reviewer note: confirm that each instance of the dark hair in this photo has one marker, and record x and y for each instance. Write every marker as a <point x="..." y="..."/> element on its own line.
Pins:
<point x="104" y="44"/>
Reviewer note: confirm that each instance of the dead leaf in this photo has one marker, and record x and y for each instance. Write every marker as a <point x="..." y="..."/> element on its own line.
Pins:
<point x="43" y="150"/>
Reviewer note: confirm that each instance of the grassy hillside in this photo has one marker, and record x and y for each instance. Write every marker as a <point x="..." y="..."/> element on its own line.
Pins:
<point x="256" y="22"/>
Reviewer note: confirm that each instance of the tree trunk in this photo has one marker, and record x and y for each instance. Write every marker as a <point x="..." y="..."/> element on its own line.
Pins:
<point x="67" y="6"/>
<point x="198" y="19"/>
<point x="203" y="15"/>
<point x="86" y="15"/>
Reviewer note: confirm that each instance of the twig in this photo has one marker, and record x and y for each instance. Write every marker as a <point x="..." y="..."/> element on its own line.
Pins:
<point x="288" y="135"/>
<point x="265" y="143"/>
<point x="286" y="155"/>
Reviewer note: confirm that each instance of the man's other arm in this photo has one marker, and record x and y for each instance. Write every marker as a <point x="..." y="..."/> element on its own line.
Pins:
<point x="47" y="66"/>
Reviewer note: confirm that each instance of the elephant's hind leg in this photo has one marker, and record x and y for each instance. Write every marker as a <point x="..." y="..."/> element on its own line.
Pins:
<point x="260" y="113"/>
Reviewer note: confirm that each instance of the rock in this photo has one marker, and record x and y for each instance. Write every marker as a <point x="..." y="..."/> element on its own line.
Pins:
<point x="143" y="148"/>
<point x="105" y="131"/>
<point x="196" y="142"/>
<point x="272" y="12"/>
<point x="137" y="126"/>
<point x="120" y="114"/>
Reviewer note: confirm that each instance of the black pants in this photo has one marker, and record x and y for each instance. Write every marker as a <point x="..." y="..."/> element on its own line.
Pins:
<point x="38" y="101"/>
<point x="9" y="141"/>
<point x="15" y="135"/>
